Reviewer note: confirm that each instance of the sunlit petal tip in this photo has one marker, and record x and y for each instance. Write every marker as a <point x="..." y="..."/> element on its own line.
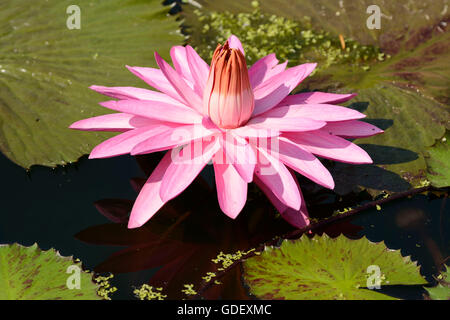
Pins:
<point x="77" y="125"/>
<point x="93" y="155"/>
<point x="235" y="43"/>
<point x="132" y="224"/>
<point x="131" y="69"/>
<point x="99" y="152"/>
<point x="108" y="104"/>
<point x="361" y="158"/>
<point x="232" y="215"/>
<point x="376" y="130"/>
<point x="157" y="56"/>
<point x="310" y="67"/>
<point x="96" y="88"/>
<point x="115" y="122"/>
<point x="367" y="161"/>
<point x="331" y="185"/>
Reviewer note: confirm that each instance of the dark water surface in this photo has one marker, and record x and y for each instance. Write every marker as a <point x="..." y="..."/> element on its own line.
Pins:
<point x="49" y="206"/>
<point x="55" y="208"/>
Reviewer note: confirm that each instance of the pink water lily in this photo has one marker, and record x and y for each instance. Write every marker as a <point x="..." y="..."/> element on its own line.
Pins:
<point x="242" y="119"/>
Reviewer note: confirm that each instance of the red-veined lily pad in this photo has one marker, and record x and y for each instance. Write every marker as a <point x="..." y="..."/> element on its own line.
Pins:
<point x="325" y="268"/>
<point x="46" y="69"/>
<point x="28" y="273"/>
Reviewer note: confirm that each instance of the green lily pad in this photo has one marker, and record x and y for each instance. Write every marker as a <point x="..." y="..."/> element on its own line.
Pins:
<point x="400" y="72"/>
<point x="46" y="69"/>
<point x="326" y="268"/>
<point x="438" y="162"/>
<point x="28" y="273"/>
<point x="442" y="290"/>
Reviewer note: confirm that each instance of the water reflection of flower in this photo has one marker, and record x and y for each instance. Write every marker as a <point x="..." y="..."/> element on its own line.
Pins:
<point x="183" y="238"/>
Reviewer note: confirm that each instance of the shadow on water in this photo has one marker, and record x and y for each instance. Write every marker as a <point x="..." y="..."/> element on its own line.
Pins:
<point x="347" y="177"/>
<point x="373" y="176"/>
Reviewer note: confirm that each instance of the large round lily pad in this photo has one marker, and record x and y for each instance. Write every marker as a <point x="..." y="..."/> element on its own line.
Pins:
<point x="326" y="268"/>
<point x="46" y="69"/>
<point x="28" y="273"/>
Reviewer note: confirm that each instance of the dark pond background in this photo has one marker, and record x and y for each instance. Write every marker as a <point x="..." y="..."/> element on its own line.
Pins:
<point x="55" y="208"/>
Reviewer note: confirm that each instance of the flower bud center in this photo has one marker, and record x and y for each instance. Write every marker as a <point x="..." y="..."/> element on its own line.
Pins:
<point x="228" y="98"/>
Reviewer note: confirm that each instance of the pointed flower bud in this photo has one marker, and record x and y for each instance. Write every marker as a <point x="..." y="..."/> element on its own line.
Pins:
<point x="228" y="97"/>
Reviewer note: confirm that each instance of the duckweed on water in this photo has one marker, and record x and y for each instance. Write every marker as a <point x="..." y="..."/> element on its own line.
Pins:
<point x="227" y="259"/>
<point x="105" y="289"/>
<point x="296" y="41"/>
<point x="209" y="276"/>
<point x="189" y="290"/>
<point x="146" y="292"/>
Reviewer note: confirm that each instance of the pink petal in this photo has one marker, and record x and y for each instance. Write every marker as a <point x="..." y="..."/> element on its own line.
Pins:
<point x="180" y="62"/>
<point x="330" y="147"/>
<point x="231" y="189"/>
<point x="189" y="96"/>
<point x="170" y="139"/>
<point x="183" y="58"/>
<point x="275" y="70"/>
<point x="278" y="179"/>
<point x="235" y="43"/>
<point x="199" y="69"/>
<point x="303" y="162"/>
<point x="258" y="70"/>
<point x="120" y="122"/>
<point x="320" y="112"/>
<point x="255" y="132"/>
<point x="297" y="218"/>
<point x="130" y="93"/>
<point x="124" y="142"/>
<point x="239" y="153"/>
<point x="148" y="201"/>
<point x="352" y="129"/>
<point x="186" y="165"/>
<point x="317" y="98"/>
<point x="156" y="79"/>
<point x="155" y="110"/>
<point x="297" y="124"/>
<point x="280" y="206"/>
<point x="274" y="90"/>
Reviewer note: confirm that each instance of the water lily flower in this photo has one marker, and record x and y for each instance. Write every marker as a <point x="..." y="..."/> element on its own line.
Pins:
<point x="242" y="119"/>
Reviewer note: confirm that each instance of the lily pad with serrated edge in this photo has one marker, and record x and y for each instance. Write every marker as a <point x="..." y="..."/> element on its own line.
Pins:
<point x="438" y="157"/>
<point x="442" y="290"/>
<point x="325" y="268"/>
<point x="46" y="70"/>
<point x="29" y="273"/>
<point x="407" y="94"/>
